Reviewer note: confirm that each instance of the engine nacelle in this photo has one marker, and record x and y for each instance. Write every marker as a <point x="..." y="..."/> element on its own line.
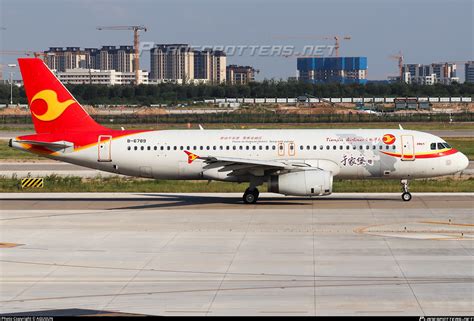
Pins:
<point x="302" y="183"/>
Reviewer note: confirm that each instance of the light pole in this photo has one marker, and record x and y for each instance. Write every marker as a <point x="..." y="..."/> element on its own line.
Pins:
<point x="11" y="83"/>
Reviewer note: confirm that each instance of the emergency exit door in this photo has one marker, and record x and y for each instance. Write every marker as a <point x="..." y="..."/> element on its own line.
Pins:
<point x="408" y="148"/>
<point x="104" y="148"/>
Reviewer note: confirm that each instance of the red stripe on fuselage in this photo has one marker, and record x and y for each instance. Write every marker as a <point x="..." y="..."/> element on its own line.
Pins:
<point x="430" y="155"/>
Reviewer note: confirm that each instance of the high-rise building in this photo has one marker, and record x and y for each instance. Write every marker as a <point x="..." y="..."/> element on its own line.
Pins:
<point x="469" y="72"/>
<point x="240" y="75"/>
<point x="172" y="62"/>
<point x="106" y="58"/>
<point x="333" y="69"/>
<point x="209" y="66"/>
<point x="444" y="73"/>
<point x="180" y="63"/>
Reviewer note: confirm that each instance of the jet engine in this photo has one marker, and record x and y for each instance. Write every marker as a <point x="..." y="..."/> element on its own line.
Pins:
<point x="302" y="183"/>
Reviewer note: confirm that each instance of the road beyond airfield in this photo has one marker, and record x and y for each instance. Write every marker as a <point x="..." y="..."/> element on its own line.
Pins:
<point x="209" y="254"/>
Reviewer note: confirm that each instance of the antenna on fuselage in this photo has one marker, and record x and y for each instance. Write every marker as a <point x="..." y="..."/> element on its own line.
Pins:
<point x="200" y="127"/>
<point x="400" y="126"/>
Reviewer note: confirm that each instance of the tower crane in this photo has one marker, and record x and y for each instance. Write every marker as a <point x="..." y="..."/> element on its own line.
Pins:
<point x="337" y="40"/>
<point x="399" y="58"/>
<point x="136" y="43"/>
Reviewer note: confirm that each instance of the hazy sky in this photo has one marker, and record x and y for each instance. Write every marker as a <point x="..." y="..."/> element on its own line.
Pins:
<point x="425" y="30"/>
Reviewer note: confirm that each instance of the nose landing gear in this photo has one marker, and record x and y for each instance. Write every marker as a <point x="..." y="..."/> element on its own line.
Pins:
<point x="406" y="196"/>
<point x="251" y="195"/>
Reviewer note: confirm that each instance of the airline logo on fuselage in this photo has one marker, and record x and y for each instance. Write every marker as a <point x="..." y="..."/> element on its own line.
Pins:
<point x="191" y="157"/>
<point x="388" y="139"/>
<point x="55" y="108"/>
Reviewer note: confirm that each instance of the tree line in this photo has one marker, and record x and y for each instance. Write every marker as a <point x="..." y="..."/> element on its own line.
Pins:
<point x="173" y="93"/>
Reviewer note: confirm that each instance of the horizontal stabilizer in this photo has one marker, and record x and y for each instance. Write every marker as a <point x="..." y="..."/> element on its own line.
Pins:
<point x="52" y="145"/>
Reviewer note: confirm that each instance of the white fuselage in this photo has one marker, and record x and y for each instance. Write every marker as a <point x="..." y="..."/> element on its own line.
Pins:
<point x="347" y="153"/>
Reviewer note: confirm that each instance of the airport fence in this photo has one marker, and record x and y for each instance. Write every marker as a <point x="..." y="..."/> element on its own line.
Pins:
<point x="262" y="118"/>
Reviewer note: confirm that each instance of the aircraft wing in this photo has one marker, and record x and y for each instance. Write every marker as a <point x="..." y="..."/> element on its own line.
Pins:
<point x="242" y="166"/>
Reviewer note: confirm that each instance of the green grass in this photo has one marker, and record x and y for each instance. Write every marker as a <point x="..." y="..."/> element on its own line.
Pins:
<point x="118" y="184"/>
<point x="9" y="153"/>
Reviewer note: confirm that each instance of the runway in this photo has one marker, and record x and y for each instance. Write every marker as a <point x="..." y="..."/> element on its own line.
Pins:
<point x="209" y="254"/>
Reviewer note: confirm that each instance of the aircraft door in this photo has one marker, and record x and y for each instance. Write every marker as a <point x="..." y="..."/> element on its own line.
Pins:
<point x="104" y="148"/>
<point x="408" y="148"/>
<point x="281" y="149"/>
<point x="291" y="149"/>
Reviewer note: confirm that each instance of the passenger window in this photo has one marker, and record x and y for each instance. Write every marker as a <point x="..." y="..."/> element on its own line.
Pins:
<point x="393" y="147"/>
<point x="221" y="147"/>
<point x="348" y="147"/>
<point x="254" y="147"/>
<point x="195" y="147"/>
<point x="240" y="147"/>
<point x="148" y="148"/>
<point x="181" y="147"/>
<point x="361" y="147"/>
<point x="267" y="147"/>
<point x="327" y="147"/>
<point x="129" y="148"/>
<point x="321" y="147"/>
<point x="354" y="147"/>
<point x="273" y="147"/>
<point x="387" y="147"/>
<point x="142" y="148"/>
<point x="188" y="147"/>
<point x="281" y="147"/>
<point x="308" y="147"/>
<point x="334" y="147"/>
<point x="175" y="147"/>
<point x="207" y="147"/>
<point x="341" y="147"/>
<point x="260" y="147"/>
<point x="367" y="147"/>
<point x="315" y="147"/>
<point x="227" y="147"/>
<point x="234" y="147"/>
<point x="374" y="147"/>
<point x="380" y="147"/>
<point x="135" y="148"/>
<point x="201" y="147"/>
<point x="155" y="148"/>
<point x="301" y="147"/>
<point x="247" y="147"/>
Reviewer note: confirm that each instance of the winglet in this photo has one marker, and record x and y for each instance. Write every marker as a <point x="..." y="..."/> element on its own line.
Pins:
<point x="191" y="157"/>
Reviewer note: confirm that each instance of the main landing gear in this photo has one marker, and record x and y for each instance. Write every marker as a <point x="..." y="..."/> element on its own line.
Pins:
<point x="406" y="196"/>
<point x="251" y="195"/>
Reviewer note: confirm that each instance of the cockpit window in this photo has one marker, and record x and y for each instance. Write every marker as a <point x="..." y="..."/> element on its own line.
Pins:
<point x="446" y="145"/>
<point x="440" y="145"/>
<point x="433" y="146"/>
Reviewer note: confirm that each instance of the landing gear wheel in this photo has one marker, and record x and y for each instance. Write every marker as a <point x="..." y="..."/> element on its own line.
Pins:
<point x="406" y="196"/>
<point x="251" y="196"/>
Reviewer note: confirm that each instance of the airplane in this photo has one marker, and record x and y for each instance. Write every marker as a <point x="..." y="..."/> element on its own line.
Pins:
<point x="298" y="162"/>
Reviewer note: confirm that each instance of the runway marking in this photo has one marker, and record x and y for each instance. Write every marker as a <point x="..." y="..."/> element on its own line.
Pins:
<point x="446" y="223"/>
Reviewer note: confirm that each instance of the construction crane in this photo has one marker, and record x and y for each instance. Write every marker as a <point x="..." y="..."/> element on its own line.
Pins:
<point x="35" y="54"/>
<point x="136" y="43"/>
<point x="337" y="40"/>
<point x="399" y="58"/>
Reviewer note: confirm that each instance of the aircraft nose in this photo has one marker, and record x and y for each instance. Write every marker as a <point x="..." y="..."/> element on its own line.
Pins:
<point x="462" y="162"/>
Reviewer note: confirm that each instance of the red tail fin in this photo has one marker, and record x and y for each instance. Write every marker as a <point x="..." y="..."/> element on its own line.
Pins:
<point x="52" y="106"/>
